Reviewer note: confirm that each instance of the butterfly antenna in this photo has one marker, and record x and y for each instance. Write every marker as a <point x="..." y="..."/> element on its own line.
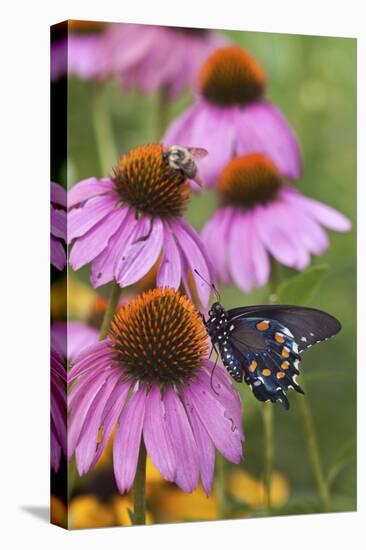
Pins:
<point x="212" y="285"/>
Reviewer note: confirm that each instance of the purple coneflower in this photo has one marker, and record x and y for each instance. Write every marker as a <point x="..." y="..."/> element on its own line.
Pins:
<point x="125" y="224"/>
<point x="261" y="216"/>
<point x="58" y="226"/>
<point x="58" y="410"/>
<point x="151" y="57"/>
<point x="151" y="377"/>
<point x="231" y="117"/>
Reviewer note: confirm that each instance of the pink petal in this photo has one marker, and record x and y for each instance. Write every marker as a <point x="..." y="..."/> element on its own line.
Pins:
<point x="271" y="223"/>
<point x="80" y="220"/>
<point x="223" y="430"/>
<point x="184" y="444"/>
<point x="169" y="274"/>
<point x="90" y="356"/>
<point x="239" y="254"/>
<point x="127" y="441"/>
<point x="58" y="254"/>
<point x="139" y="257"/>
<point x="206" y="449"/>
<point x="322" y="213"/>
<point x="111" y="413"/>
<point x="262" y="128"/>
<point x="88" y="188"/>
<point x="92" y="243"/>
<point x="195" y="260"/>
<point x="58" y="194"/>
<point x="215" y="238"/>
<point x="156" y="435"/>
<point x="58" y="223"/>
<point x="103" y="267"/>
<point x="87" y="446"/>
<point x="80" y="411"/>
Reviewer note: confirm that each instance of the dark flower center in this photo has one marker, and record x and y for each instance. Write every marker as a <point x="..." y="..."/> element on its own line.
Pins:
<point x="249" y="180"/>
<point x="230" y="76"/>
<point x="159" y="338"/>
<point x="147" y="182"/>
<point x="86" y="27"/>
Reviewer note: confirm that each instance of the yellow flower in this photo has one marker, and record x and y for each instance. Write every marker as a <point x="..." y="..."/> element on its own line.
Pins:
<point x="58" y="512"/>
<point x="86" y="511"/>
<point x="247" y="489"/>
<point x="80" y="298"/>
<point x="172" y="504"/>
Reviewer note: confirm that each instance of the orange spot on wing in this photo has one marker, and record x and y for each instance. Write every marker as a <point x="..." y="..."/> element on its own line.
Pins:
<point x="262" y="325"/>
<point x="253" y="366"/>
<point x="279" y="338"/>
<point x="266" y="372"/>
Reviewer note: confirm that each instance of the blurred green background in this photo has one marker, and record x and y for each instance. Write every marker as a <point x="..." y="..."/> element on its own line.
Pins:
<point x="313" y="80"/>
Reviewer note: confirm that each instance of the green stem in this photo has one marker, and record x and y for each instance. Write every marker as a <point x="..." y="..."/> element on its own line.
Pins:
<point x="314" y="454"/>
<point x="139" y="488"/>
<point x="221" y="486"/>
<point x="162" y="111"/>
<point x="111" y="308"/>
<point x="107" y="150"/>
<point x="267" y="411"/>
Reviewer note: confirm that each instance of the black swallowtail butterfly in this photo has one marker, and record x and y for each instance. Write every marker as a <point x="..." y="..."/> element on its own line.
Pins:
<point x="262" y="344"/>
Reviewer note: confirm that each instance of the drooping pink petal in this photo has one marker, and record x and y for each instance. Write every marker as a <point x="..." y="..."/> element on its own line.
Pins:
<point x="58" y="254"/>
<point x="80" y="410"/>
<point x="156" y="435"/>
<point x="205" y="447"/>
<point x="218" y="382"/>
<point x="195" y="260"/>
<point x="262" y="128"/>
<point x="215" y="238"/>
<point x="87" y="446"/>
<point x="258" y="254"/>
<point x="270" y="224"/>
<point x="58" y="194"/>
<point x="111" y="414"/>
<point x="239" y="254"/>
<point x="103" y="267"/>
<point x="223" y="430"/>
<point x="92" y="243"/>
<point x="94" y="353"/>
<point x="127" y="441"/>
<point x="169" y="274"/>
<point x="88" y="188"/>
<point x="140" y="256"/>
<point x="80" y="220"/>
<point x="58" y="223"/>
<point x="322" y="213"/>
<point x="184" y="444"/>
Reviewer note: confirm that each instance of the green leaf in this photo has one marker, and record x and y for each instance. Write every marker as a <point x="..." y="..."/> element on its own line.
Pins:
<point x="301" y="288"/>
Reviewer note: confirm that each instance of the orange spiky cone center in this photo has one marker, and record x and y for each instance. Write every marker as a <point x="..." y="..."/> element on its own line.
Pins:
<point x="231" y="76"/>
<point x="159" y="338"/>
<point x="144" y="180"/>
<point x="249" y="180"/>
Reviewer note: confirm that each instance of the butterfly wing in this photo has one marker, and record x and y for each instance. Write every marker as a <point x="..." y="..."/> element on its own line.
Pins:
<point x="308" y="326"/>
<point x="265" y="342"/>
<point x="268" y="356"/>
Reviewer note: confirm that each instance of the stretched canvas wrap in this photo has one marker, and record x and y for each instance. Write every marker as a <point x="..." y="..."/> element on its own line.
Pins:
<point x="203" y="188"/>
